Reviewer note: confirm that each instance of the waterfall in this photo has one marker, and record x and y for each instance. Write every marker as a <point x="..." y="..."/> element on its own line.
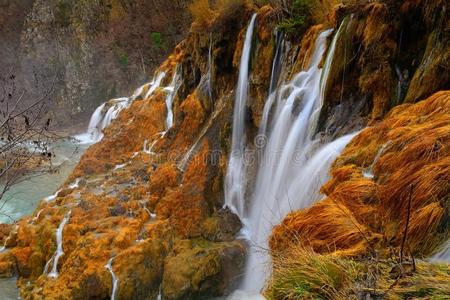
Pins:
<point x="171" y="92"/>
<point x="369" y="172"/>
<point x="52" y="197"/>
<point x="294" y="164"/>
<point x="115" y="280"/>
<point x="107" y="112"/>
<point x="59" y="248"/>
<point x="235" y="178"/>
<point x="96" y="119"/>
<point x="274" y="78"/>
<point x="155" y="84"/>
<point x="3" y="248"/>
<point x="209" y="74"/>
<point x="276" y="65"/>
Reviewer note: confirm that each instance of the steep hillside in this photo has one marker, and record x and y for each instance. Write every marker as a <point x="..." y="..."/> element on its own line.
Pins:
<point x="87" y="51"/>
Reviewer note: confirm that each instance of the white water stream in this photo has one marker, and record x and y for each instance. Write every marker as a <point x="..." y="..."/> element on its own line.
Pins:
<point x="59" y="248"/>
<point x="235" y="180"/>
<point x="107" y="112"/>
<point x="115" y="280"/>
<point x="171" y="92"/>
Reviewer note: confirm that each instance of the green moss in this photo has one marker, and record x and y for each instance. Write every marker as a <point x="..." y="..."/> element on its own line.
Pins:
<point x="157" y="40"/>
<point x="123" y="59"/>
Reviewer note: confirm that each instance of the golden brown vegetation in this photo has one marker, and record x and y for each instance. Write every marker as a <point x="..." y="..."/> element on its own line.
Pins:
<point x="304" y="274"/>
<point x="206" y="13"/>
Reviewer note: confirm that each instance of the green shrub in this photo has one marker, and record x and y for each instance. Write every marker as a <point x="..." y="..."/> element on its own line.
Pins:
<point x="157" y="40"/>
<point x="123" y="59"/>
<point x="301" y="17"/>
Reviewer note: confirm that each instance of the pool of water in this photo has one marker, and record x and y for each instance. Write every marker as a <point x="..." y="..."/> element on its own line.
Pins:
<point x="8" y="289"/>
<point x="23" y="198"/>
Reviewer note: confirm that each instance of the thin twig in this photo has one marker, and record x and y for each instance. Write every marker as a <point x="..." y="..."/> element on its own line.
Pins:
<point x="408" y="214"/>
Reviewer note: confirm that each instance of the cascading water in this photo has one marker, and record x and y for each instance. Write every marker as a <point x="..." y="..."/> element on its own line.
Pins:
<point x="171" y="92"/>
<point x="276" y="65"/>
<point x="59" y="248"/>
<point x="115" y="280"/>
<point x="274" y="78"/>
<point x="101" y="119"/>
<point x="209" y="74"/>
<point x="155" y="84"/>
<point x="235" y="178"/>
<point x="294" y="164"/>
<point x="369" y="172"/>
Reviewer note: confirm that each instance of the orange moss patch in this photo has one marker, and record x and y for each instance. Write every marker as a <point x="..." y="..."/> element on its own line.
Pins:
<point x="185" y="204"/>
<point x="189" y="124"/>
<point x="362" y="215"/>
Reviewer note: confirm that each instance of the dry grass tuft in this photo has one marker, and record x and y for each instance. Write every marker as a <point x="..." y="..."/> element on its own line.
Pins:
<point x="303" y="274"/>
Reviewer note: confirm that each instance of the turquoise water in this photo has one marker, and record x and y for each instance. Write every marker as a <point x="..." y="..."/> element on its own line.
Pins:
<point x="23" y="198"/>
<point x="8" y="289"/>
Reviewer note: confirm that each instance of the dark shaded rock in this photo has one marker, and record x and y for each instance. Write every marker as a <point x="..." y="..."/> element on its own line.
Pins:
<point x="200" y="269"/>
<point x="117" y="210"/>
<point x="222" y="226"/>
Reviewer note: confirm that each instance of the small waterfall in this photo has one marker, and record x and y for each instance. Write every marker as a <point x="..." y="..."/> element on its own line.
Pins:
<point x="96" y="119"/>
<point x="235" y="178"/>
<point x="52" y="197"/>
<point x="369" y="172"/>
<point x="294" y="165"/>
<point x="59" y="248"/>
<point x="443" y="256"/>
<point x="209" y="74"/>
<point x="115" y="280"/>
<point x="155" y="84"/>
<point x="274" y="78"/>
<point x="107" y="112"/>
<point x="171" y="92"/>
<point x="276" y="65"/>
<point x="149" y="149"/>
<point x="3" y="248"/>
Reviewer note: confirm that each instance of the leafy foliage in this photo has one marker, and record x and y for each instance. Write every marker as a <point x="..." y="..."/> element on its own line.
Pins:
<point x="157" y="40"/>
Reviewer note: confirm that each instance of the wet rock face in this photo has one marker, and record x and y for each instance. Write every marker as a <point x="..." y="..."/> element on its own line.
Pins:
<point x="201" y="268"/>
<point x="88" y="51"/>
<point x="384" y="58"/>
